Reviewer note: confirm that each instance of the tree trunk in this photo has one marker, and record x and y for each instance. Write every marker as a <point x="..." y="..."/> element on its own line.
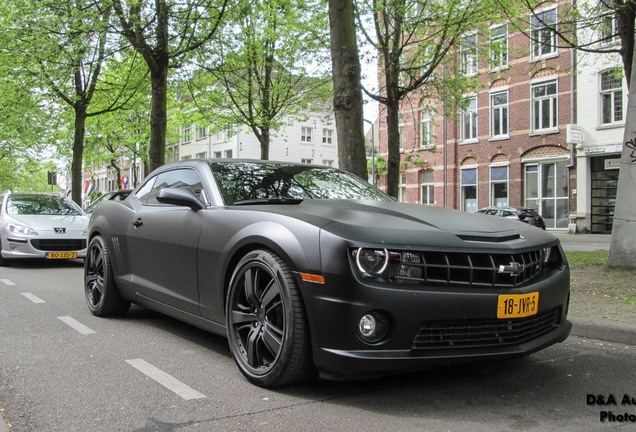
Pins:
<point x="77" y="176"/>
<point x="347" y="99"/>
<point x="158" y="117"/>
<point x="393" y="137"/>
<point x="623" y="244"/>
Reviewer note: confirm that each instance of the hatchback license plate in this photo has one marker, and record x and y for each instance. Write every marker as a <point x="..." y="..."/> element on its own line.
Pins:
<point x="518" y="305"/>
<point x="61" y="255"/>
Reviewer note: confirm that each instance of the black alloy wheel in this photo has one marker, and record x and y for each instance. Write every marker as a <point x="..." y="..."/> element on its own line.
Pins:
<point x="102" y="296"/>
<point x="266" y="324"/>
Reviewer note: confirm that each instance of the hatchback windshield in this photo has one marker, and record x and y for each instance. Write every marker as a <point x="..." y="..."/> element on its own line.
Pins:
<point x="27" y="204"/>
<point x="244" y="181"/>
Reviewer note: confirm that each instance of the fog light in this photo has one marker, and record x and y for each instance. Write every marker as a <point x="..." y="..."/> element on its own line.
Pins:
<point x="373" y="327"/>
<point x="367" y="326"/>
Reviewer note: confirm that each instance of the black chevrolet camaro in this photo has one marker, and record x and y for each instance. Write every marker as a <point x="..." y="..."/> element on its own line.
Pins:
<point x="311" y="271"/>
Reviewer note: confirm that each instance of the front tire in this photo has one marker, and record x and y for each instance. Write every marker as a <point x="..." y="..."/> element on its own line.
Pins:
<point x="266" y="324"/>
<point x="102" y="296"/>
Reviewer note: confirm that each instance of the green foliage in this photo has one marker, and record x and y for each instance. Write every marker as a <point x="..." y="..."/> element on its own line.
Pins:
<point x="258" y="73"/>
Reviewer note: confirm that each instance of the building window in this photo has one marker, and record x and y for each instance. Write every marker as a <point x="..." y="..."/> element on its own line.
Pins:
<point x="499" y="114"/>
<point x="547" y="189"/>
<point x="327" y="162"/>
<point x="468" y="54"/>
<point x="609" y="24"/>
<point x="544" y="38"/>
<point x="469" y="120"/>
<point x="201" y="155"/>
<point x="218" y="154"/>
<point x="402" y="191"/>
<point x="469" y="190"/>
<point x="499" y="186"/>
<point x="611" y="97"/>
<point x="427" y="136"/>
<point x="188" y="157"/>
<point x="201" y="132"/>
<point x="427" y="187"/>
<point x="228" y="154"/>
<point x="327" y="136"/>
<point x="544" y="106"/>
<point x="305" y="134"/>
<point x="498" y="47"/>
<point x="306" y="160"/>
<point x="187" y="134"/>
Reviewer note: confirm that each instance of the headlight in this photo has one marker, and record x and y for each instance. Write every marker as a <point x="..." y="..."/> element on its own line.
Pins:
<point x="376" y="262"/>
<point x="21" y="229"/>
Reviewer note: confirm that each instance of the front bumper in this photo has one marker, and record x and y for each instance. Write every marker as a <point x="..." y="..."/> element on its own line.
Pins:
<point x="14" y="247"/>
<point x="428" y="326"/>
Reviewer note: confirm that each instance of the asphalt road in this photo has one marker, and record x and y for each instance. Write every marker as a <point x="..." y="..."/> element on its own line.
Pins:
<point x="61" y="369"/>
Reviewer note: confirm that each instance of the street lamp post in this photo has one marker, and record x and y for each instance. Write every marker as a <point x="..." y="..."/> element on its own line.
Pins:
<point x="372" y="151"/>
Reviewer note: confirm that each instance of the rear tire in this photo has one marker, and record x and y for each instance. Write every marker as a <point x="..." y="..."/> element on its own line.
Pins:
<point x="267" y="329"/>
<point x="102" y="296"/>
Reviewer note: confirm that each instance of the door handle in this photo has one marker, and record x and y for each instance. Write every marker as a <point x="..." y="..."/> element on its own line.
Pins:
<point x="138" y="223"/>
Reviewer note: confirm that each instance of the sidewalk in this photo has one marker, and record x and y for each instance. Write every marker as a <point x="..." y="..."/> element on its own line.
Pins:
<point x="597" y="309"/>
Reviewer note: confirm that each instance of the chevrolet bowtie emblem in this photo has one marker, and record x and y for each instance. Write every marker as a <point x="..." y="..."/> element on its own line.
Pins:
<point x="513" y="269"/>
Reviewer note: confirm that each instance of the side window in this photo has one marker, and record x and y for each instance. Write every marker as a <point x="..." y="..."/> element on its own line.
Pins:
<point x="144" y="192"/>
<point x="180" y="178"/>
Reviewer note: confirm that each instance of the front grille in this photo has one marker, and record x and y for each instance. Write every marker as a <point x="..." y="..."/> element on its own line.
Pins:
<point x="60" y="245"/>
<point x="471" y="269"/>
<point x="485" y="333"/>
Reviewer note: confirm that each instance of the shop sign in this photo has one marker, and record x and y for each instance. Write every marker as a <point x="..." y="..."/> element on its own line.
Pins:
<point x="574" y="134"/>
<point x="617" y="148"/>
<point x="612" y="163"/>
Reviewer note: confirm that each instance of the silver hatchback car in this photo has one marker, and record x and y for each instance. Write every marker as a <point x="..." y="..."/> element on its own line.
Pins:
<point x="41" y="225"/>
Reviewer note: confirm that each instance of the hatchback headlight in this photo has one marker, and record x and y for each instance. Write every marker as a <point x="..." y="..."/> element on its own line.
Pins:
<point x="20" y="229"/>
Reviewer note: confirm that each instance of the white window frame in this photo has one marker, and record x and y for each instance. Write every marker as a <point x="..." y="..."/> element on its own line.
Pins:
<point x="305" y="134"/>
<point x="468" y="54"/>
<point x="613" y="96"/>
<point x="538" y="106"/>
<point x="498" y="181"/>
<point x="463" y="185"/>
<point x="499" y="115"/>
<point x="470" y="118"/>
<point x="498" y="47"/>
<point x="201" y="132"/>
<point x="327" y="136"/>
<point x="608" y="31"/>
<point x="428" y="186"/>
<point x="186" y="134"/>
<point x="427" y="129"/>
<point x="543" y="39"/>
<point x="402" y="188"/>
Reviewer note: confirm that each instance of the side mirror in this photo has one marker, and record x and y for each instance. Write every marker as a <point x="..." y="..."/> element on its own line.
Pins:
<point x="180" y="197"/>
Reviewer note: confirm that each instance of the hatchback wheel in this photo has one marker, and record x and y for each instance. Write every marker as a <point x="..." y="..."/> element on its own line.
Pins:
<point x="266" y="324"/>
<point x="102" y="296"/>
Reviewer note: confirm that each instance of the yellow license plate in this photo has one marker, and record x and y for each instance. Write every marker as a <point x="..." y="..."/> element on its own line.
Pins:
<point x="61" y="255"/>
<point x="518" y="305"/>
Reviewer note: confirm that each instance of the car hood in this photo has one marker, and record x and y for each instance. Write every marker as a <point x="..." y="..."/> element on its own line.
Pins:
<point x="42" y="223"/>
<point x="402" y="224"/>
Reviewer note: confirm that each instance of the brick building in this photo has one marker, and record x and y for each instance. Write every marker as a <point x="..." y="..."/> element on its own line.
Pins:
<point x="509" y="144"/>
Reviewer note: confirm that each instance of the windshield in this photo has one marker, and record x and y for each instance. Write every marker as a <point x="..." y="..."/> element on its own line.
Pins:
<point x="247" y="181"/>
<point x="41" y="205"/>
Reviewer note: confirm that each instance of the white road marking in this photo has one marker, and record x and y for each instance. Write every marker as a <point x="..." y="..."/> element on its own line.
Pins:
<point x="170" y="382"/>
<point x="33" y="298"/>
<point x="73" y="323"/>
<point x="7" y="282"/>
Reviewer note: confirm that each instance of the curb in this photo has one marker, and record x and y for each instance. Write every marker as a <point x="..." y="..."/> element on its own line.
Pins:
<point x="610" y="331"/>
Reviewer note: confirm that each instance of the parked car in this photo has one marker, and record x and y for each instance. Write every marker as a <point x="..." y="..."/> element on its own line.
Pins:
<point x="41" y="225"/>
<point x="310" y="270"/>
<point x="523" y="214"/>
<point x="112" y="195"/>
